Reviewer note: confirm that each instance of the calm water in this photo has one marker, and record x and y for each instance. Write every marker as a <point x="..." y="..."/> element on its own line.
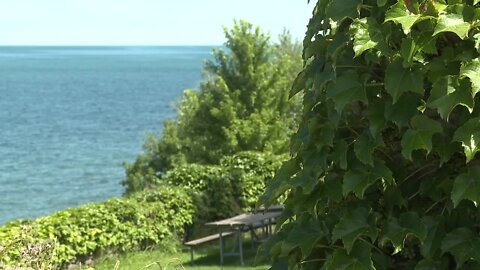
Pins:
<point x="69" y="117"/>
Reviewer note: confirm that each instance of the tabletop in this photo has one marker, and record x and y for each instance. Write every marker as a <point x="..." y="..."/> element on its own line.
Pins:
<point x="245" y="219"/>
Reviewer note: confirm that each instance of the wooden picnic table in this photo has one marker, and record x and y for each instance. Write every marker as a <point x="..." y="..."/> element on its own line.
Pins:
<point x="242" y="223"/>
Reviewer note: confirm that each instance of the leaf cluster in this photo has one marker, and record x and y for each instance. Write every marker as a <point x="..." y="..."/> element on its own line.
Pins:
<point x="384" y="172"/>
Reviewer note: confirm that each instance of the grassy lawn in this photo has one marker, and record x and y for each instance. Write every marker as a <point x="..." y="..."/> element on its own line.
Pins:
<point x="207" y="257"/>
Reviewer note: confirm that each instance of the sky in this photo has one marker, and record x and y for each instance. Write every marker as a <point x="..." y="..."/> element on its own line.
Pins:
<point x="143" y="22"/>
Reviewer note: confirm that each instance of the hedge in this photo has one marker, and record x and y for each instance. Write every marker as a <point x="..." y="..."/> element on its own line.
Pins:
<point x="145" y="219"/>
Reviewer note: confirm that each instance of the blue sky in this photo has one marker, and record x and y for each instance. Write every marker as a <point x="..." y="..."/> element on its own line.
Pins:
<point x="142" y="22"/>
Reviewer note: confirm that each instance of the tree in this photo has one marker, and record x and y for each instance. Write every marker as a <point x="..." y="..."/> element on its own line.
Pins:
<point x="384" y="172"/>
<point x="241" y="105"/>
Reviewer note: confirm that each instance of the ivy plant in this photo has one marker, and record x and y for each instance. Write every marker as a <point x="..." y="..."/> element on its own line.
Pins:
<point x="384" y="172"/>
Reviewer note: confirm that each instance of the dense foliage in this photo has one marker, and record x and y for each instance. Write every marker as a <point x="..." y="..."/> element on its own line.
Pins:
<point x="230" y="188"/>
<point x="242" y="105"/>
<point x="143" y="220"/>
<point x="384" y="173"/>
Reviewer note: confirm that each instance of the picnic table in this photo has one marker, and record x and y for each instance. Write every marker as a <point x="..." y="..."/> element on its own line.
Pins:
<point x="243" y="223"/>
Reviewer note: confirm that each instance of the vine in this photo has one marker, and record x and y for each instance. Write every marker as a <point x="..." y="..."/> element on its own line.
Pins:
<point x="384" y="172"/>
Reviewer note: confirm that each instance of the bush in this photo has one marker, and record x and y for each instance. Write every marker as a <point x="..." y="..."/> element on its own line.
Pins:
<point x="142" y="220"/>
<point x="228" y="189"/>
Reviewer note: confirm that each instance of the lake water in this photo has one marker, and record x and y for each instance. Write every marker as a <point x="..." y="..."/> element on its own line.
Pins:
<point x="69" y="117"/>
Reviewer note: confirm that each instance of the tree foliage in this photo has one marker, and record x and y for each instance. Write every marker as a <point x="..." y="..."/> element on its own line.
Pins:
<point x="242" y="105"/>
<point x="384" y="172"/>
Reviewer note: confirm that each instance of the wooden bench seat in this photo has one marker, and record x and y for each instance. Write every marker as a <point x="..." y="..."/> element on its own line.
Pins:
<point x="199" y="241"/>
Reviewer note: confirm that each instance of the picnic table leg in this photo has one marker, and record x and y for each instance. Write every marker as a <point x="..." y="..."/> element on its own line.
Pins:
<point x="221" y="249"/>
<point x="240" y="246"/>
<point x="191" y="255"/>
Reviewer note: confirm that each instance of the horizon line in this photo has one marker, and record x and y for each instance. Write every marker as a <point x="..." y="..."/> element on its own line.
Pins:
<point x="111" y="45"/>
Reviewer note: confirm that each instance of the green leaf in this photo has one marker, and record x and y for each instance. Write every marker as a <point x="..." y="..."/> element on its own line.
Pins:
<point x="445" y="148"/>
<point x="365" y="146"/>
<point x="339" y="154"/>
<point x="399" y="80"/>
<point x="352" y="225"/>
<point x="404" y="109"/>
<point x="398" y="13"/>
<point x="419" y="136"/>
<point x="360" y="258"/>
<point x="367" y="35"/>
<point x="447" y="93"/>
<point x="469" y="136"/>
<point x="433" y="241"/>
<point x="304" y="234"/>
<point x="451" y="22"/>
<point x="463" y="244"/>
<point x="467" y="186"/>
<point x="339" y="10"/>
<point x="407" y="50"/>
<point x="396" y="230"/>
<point x="279" y="184"/>
<point x="333" y="187"/>
<point x="298" y="84"/>
<point x="375" y="115"/>
<point x="358" y="180"/>
<point x="382" y="3"/>
<point x="346" y="89"/>
<point x="471" y="70"/>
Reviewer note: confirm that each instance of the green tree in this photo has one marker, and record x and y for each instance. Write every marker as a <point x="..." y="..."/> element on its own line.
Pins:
<point x="241" y="105"/>
<point x="384" y="172"/>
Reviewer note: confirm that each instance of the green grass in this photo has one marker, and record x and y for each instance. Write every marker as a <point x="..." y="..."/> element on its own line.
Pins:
<point x="207" y="257"/>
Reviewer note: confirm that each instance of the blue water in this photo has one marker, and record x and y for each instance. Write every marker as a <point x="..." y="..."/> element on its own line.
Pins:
<point x="69" y="117"/>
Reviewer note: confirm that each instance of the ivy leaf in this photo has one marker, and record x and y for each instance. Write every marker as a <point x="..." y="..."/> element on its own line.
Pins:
<point x="360" y="258"/>
<point x="365" y="146"/>
<point x="447" y="93"/>
<point x="469" y="136"/>
<point x="463" y="244"/>
<point x="467" y="186"/>
<point x="403" y="110"/>
<point x="407" y="50"/>
<point x="339" y="10"/>
<point x="333" y="187"/>
<point x="279" y="184"/>
<point x="367" y="35"/>
<point x="346" y="89"/>
<point x="419" y="136"/>
<point x="298" y="84"/>
<point x="399" y="13"/>
<point x="305" y="234"/>
<point x="445" y="148"/>
<point x="471" y="70"/>
<point x="339" y="154"/>
<point x="399" y="80"/>
<point x="451" y="22"/>
<point x="382" y="3"/>
<point x="358" y="180"/>
<point x="375" y="115"/>
<point x="435" y="234"/>
<point x="352" y="225"/>
<point x="396" y="230"/>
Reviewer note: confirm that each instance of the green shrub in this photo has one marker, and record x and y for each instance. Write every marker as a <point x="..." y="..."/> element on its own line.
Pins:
<point x="228" y="189"/>
<point x="249" y="172"/>
<point x="142" y="220"/>
<point x="212" y="191"/>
